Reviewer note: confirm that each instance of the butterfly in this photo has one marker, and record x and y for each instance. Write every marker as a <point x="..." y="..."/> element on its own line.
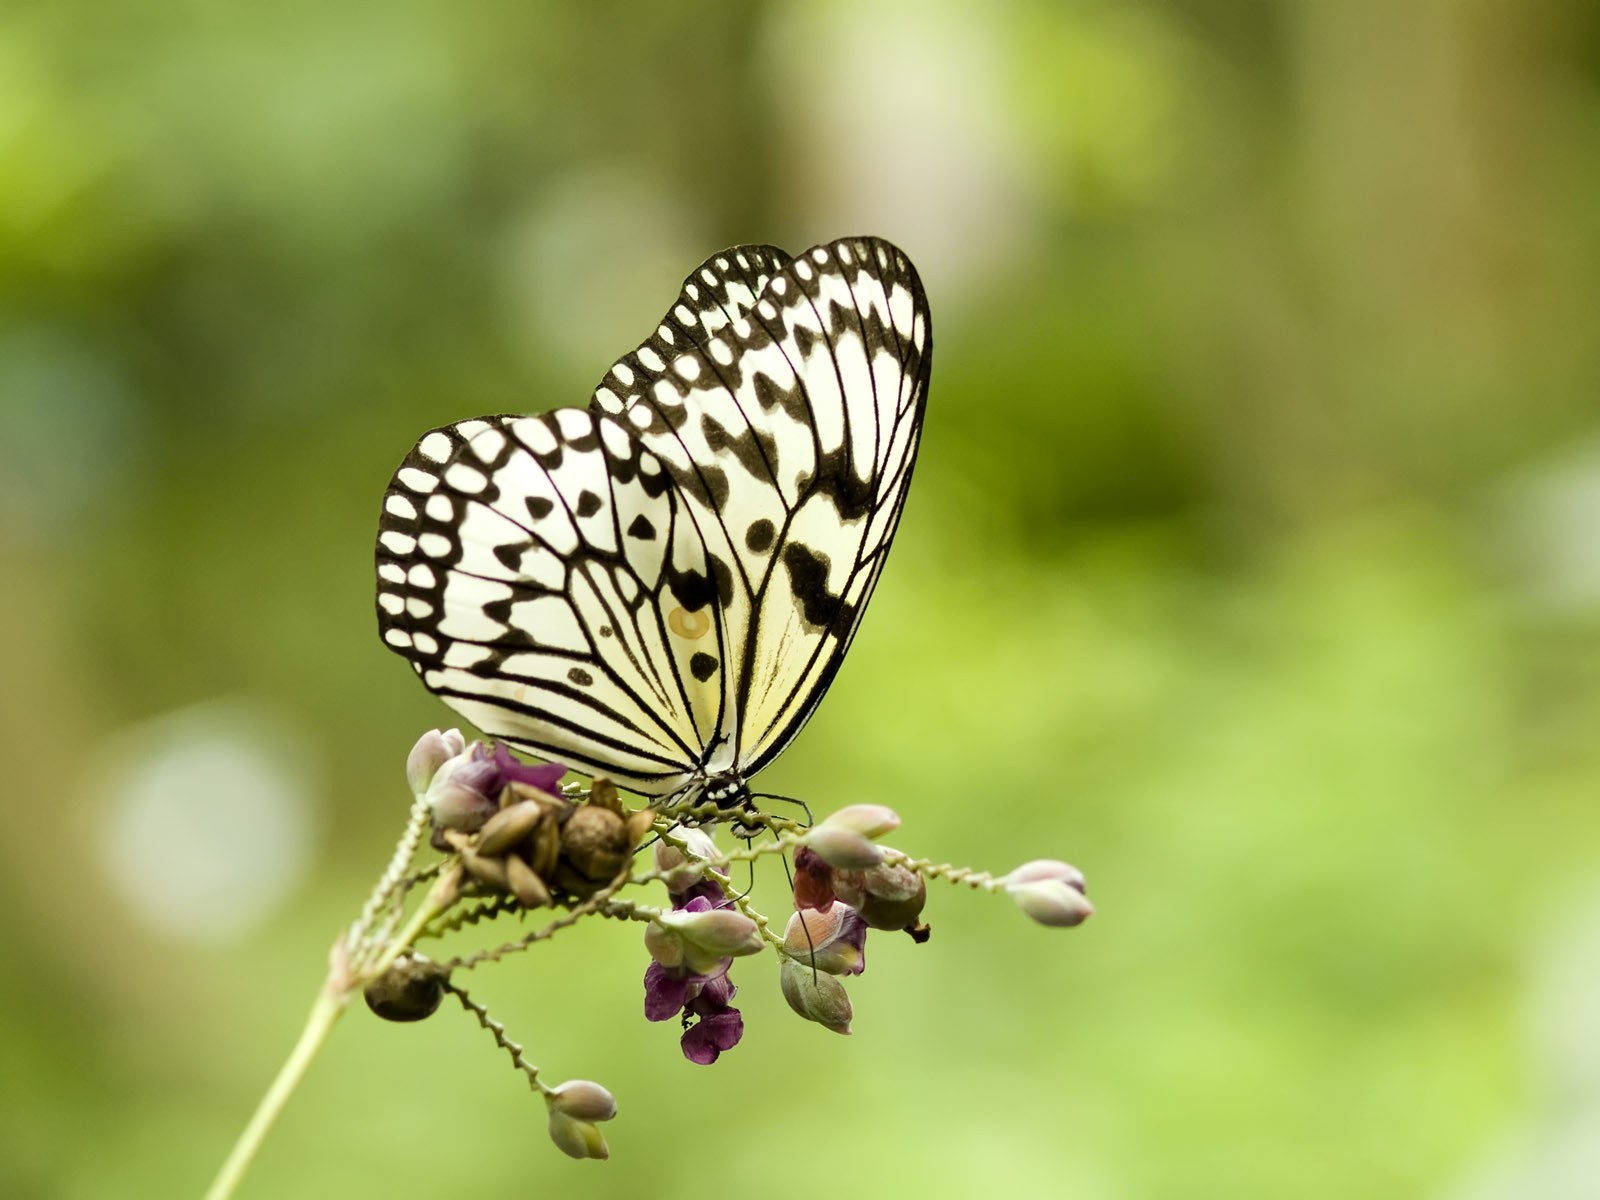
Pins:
<point x="661" y="586"/>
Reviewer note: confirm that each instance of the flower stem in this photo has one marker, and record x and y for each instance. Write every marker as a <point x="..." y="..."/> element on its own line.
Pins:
<point x="330" y="1003"/>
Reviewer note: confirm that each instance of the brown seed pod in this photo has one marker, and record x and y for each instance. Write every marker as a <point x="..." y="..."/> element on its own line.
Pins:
<point x="639" y="824"/>
<point x="603" y="793"/>
<point x="525" y="885"/>
<point x="508" y="827"/>
<point x="546" y="846"/>
<point x="408" y="991"/>
<point x="491" y="871"/>
<point x="594" y="842"/>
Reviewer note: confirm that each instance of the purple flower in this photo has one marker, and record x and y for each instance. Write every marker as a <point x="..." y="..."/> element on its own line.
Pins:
<point x="465" y="792"/>
<point x="707" y="891"/>
<point x="546" y="777"/>
<point x="710" y="1022"/>
<point x="664" y="995"/>
<point x="720" y="1025"/>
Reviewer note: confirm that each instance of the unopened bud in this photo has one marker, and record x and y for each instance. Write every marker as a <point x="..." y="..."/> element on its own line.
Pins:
<point x="665" y="946"/>
<point x="831" y="939"/>
<point x="459" y="796"/>
<point x="842" y="848"/>
<point x="815" y="995"/>
<point x="723" y="932"/>
<point x="1052" y="902"/>
<point x="432" y="751"/>
<point x="682" y="868"/>
<point x="583" y="1099"/>
<point x="869" y="820"/>
<point x="888" y="896"/>
<point x="1047" y="868"/>
<point x="575" y="1138"/>
<point x="1050" y="891"/>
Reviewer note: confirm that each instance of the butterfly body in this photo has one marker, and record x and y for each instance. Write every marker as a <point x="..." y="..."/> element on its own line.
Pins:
<point x="660" y="587"/>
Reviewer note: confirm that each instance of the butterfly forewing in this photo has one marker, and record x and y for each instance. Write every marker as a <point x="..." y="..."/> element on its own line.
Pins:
<point x="662" y="586"/>
<point x="717" y="293"/>
<point x="791" y="434"/>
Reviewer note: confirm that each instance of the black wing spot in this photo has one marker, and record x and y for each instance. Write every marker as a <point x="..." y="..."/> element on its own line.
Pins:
<point x="606" y="631"/>
<point x="588" y="504"/>
<point x="759" y="536"/>
<point x="642" y="529"/>
<point x="691" y="589"/>
<point x="716" y="481"/>
<point x="808" y="580"/>
<point x="539" y="507"/>
<point x="580" y="677"/>
<point x="723" y="578"/>
<point x="703" y="666"/>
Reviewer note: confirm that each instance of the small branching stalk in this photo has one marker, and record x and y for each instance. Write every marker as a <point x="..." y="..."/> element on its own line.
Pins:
<point x="489" y="837"/>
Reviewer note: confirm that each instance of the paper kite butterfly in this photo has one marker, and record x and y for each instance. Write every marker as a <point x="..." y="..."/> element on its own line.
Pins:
<point x="660" y="587"/>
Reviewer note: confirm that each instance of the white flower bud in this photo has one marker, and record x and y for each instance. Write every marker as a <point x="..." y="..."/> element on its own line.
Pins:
<point x="1051" y="902"/>
<point x="575" y="1138"/>
<point x="842" y="848"/>
<point x="815" y="995"/>
<point x="869" y="820"/>
<point x="683" y="868"/>
<point x="583" y="1099"/>
<point x="720" y="931"/>
<point x="432" y="751"/>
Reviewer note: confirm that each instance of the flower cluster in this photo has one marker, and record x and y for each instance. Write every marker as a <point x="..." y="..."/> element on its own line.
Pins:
<point x="692" y="948"/>
<point x="514" y="840"/>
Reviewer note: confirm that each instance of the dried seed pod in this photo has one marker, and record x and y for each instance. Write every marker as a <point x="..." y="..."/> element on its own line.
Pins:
<point x="603" y="794"/>
<point x="508" y="827"/>
<point x="408" y="991"/>
<point x="524" y="884"/>
<point x="526" y="791"/>
<point x="491" y="871"/>
<point x="546" y="843"/>
<point x="639" y="824"/>
<point x="594" y="842"/>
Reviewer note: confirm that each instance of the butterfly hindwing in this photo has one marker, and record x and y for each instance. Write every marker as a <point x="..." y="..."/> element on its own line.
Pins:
<point x="543" y="578"/>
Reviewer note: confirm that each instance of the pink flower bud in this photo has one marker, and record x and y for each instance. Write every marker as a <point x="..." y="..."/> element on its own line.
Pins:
<point x="720" y="931"/>
<point x="1047" y="868"/>
<point x="432" y="751"/>
<point x="682" y="869"/>
<point x="869" y="820"/>
<point x="842" y="848"/>
<point x="464" y="794"/>
<point x="1052" y="902"/>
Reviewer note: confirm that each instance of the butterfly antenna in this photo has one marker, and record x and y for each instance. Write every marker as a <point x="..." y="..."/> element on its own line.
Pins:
<point x="800" y="804"/>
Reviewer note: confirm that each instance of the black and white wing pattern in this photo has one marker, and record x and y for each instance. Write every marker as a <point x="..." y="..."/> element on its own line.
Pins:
<point x="662" y="586"/>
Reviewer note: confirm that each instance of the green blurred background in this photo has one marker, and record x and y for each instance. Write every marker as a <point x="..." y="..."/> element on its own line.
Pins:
<point x="1253" y="564"/>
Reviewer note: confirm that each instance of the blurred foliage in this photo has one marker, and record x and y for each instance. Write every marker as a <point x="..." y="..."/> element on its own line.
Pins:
<point x="1234" y="570"/>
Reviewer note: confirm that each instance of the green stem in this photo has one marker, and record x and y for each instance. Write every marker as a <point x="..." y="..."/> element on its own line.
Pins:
<point x="330" y="1003"/>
